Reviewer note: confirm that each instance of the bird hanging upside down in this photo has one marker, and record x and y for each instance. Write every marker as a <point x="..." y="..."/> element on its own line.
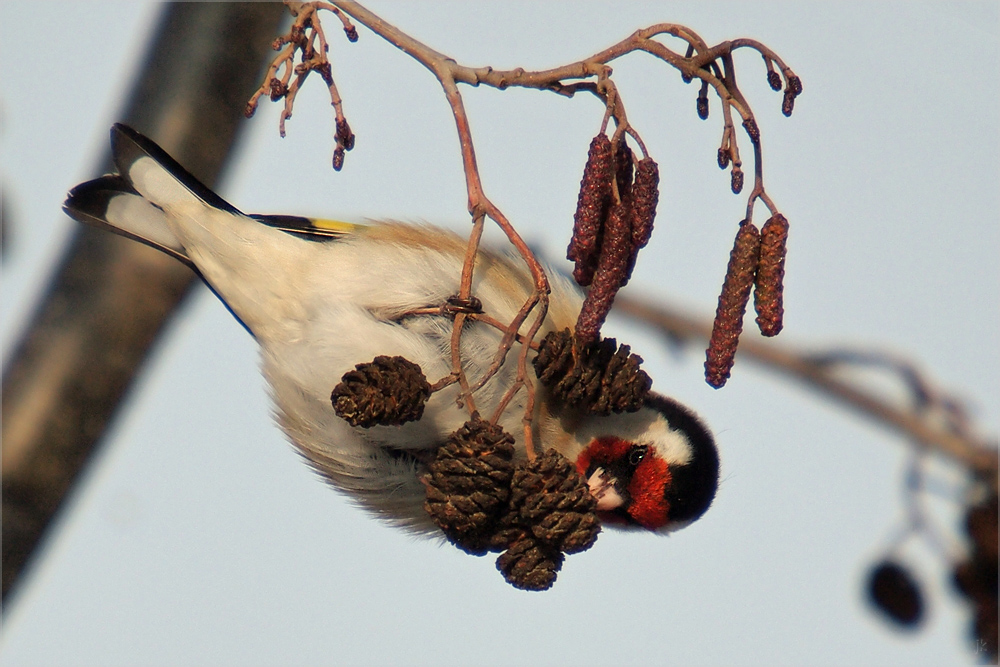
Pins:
<point x="320" y="297"/>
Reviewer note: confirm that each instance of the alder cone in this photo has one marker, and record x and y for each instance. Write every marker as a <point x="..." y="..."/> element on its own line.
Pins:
<point x="894" y="591"/>
<point x="387" y="391"/>
<point x="468" y="484"/>
<point x="732" y="306"/>
<point x="976" y="576"/>
<point x="529" y="565"/>
<point x="599" y="378"/>
<point x="553" y="501"/>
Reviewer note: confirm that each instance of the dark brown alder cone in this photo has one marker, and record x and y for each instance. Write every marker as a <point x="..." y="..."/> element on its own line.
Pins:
<point x="732" y="305"/>
<point x="599" y="377"/>
<point x="468" y="484"/>
<point x="529" y="565"/>
<point x="552" y="501"/>
<point x="385" y="391"/>
<point x="894" y="591"/>
<point x="976" y="576"/>
<point x="616" y="250"/>
<point x="645" y="196"/>
<point x="769" y="282"/>
<point x="595" y="191"/>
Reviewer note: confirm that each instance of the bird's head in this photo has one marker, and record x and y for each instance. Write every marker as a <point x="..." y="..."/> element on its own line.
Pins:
<point x="657" y="468"/>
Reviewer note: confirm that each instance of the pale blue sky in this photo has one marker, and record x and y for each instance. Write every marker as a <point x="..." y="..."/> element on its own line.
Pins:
<point x="199" y="537"/>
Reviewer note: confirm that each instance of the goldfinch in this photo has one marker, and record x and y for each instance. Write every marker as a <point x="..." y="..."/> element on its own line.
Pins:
<point x="321" y="297"/>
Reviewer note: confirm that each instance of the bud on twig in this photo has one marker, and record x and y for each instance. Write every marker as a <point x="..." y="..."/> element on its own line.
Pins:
<point x="788" y="103"/>
<point x="768" y="285"/>
<point x="736" y="180"/>
<point x="344" y="134"/>
<point x="723" y="158"/>
<point x="728" y="323"/>
<point x="277" y="89"/>
<point x="701" y="104"/>
<point x="773" y="79"/>
<point x="750" y="125"/>
<point x="795" y="85"/>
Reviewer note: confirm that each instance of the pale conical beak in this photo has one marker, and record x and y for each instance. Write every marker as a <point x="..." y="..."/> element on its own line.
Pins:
<point x="602" y="487"/>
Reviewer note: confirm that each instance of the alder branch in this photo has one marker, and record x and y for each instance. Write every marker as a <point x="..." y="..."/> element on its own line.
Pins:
<point x="713" y="66"/>
<point x="954" y="438"/>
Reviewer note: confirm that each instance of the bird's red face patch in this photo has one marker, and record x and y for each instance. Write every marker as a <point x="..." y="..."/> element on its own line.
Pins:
<point x="647" y="503"/>
<point x="602" y="451"/>
<point x="647" y="489"/>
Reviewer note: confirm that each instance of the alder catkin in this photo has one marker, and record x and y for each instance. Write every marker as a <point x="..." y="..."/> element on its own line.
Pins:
<point x="616" y="249"/>
<point x="591" y="207"/>
<point x="769" y="282"/>
<point x="645" y="196"/>
<point x="728" y="323"/>
<point x="624" y="169"/>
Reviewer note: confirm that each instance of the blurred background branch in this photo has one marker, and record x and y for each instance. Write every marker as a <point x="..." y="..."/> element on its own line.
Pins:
<point x="933" y="420"/>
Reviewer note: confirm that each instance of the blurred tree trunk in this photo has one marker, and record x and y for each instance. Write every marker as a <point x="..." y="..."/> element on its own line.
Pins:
<point x="110" y="296"/>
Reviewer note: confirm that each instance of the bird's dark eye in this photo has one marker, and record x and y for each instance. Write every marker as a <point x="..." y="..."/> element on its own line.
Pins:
<point x="637" y="454"/>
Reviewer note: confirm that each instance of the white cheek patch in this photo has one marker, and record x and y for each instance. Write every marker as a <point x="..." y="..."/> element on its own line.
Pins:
<point x="672" y="446"/>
